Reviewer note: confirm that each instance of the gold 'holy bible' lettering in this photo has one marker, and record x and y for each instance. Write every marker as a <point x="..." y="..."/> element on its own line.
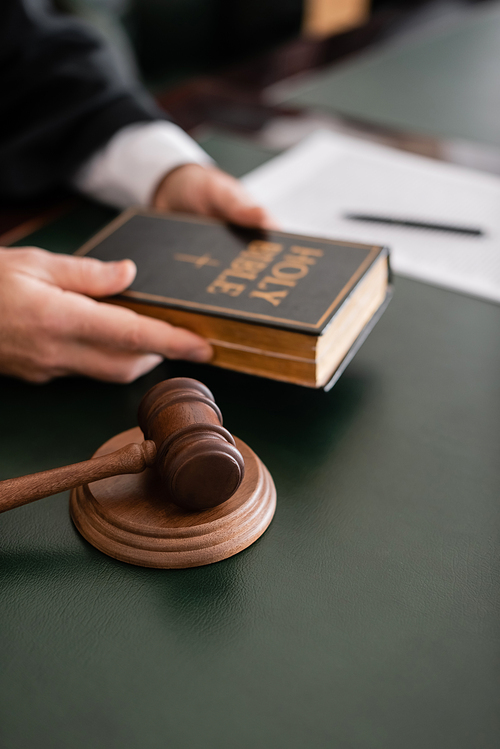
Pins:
<point x="247" y="265"/>
<point x="287" y="272"/>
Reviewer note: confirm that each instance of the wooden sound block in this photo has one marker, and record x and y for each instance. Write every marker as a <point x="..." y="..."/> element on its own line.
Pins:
<point x="130" y="518"/>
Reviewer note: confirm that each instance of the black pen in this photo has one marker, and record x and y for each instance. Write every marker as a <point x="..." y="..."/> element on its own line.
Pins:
<point x="469" y="230"/>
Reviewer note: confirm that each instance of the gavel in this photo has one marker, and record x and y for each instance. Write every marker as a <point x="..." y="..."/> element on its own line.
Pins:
<point x="195" y="457"/>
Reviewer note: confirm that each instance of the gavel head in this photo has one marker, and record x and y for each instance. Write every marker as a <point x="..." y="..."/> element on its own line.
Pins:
<point x="197" y="459"/>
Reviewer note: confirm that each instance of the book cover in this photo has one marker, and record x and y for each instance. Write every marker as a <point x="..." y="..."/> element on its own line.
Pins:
<point x="271" y="303"/>
<point x="268" y="277"/>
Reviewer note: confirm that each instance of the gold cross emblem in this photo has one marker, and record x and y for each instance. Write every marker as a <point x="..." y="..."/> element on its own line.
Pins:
<point x="198" y="260"/>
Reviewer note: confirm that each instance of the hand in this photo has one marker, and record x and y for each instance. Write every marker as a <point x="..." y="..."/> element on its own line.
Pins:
<point x="209" y="192"/>
<point x="50" y="327"/>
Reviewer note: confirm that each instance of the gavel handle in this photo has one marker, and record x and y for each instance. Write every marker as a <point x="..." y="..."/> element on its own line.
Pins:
<point x="132" y="458"/>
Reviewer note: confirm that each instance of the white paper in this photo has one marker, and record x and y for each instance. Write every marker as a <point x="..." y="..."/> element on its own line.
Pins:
<point x="310" y="188"/>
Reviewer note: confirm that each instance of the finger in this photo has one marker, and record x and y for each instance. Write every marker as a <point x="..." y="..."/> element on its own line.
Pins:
<point x="251" y="216"/>
<point x="229" y="200"/>
<point x="109" y="325"/>
<point x="107" y="365"/>
<point x="210" y="192"/>
<point x="87" y="275"/>
<point x="84" y="275"/>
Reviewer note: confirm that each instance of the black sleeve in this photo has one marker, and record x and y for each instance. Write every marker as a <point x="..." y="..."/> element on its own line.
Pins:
<point x="61" y="97"/>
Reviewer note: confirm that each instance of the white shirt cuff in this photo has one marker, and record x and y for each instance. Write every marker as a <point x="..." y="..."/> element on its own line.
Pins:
<point x="129" y="168"/>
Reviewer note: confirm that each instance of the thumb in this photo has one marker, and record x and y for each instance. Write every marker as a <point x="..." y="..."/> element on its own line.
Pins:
<point x="253" y="216"/>
<point x="231" y="201"/>
<point x="89" y="276"/>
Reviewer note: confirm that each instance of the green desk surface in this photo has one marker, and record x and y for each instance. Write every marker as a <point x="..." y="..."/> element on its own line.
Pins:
<point x="366" y="617"/>
<point x="442" y="82"/>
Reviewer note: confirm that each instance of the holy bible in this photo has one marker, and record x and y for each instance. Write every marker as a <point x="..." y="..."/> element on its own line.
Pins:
<point x="273" y="304"/>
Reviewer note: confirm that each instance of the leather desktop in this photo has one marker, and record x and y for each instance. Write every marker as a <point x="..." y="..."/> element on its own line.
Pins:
<point x="366" y="617"/>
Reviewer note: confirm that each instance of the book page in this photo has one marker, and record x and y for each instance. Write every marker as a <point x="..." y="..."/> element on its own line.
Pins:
<point x="311" y="188"/>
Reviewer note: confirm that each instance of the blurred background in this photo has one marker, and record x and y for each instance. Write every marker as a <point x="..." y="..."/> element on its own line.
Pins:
<point x="170" y="40"/>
